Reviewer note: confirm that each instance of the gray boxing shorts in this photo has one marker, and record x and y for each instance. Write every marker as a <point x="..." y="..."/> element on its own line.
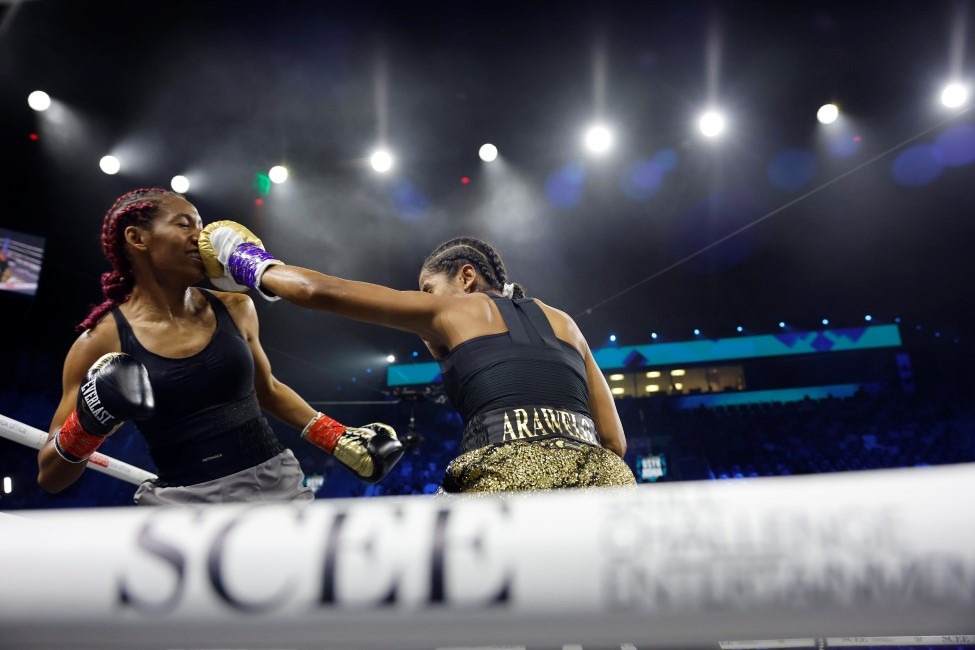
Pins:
<point x="277" y="479"/>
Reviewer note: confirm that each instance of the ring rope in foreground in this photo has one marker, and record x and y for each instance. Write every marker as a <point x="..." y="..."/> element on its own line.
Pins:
<point x="677" y="564"/>
<point x="35" y="438"/>
<point x="853" y="642"/>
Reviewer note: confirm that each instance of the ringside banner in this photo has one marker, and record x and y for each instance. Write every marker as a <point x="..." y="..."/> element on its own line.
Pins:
<point x="880" y="552"/>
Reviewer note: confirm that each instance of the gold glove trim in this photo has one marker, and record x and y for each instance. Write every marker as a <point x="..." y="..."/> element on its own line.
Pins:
<point x="351" y="451"/>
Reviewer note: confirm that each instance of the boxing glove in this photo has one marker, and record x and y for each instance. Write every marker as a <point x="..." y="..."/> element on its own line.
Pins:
<point x="234" y="258"/>
<point x="369" y="451"/>
<point x="116" y="388"/>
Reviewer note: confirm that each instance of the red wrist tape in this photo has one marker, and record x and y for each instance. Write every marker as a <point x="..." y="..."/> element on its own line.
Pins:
<point x="74" y="442"/>
<point x="324" y="432"/>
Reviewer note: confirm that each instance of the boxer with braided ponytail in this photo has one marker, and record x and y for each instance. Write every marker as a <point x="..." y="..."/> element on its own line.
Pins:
<point x="537" y="411"/>
<point x="186" y="365"/>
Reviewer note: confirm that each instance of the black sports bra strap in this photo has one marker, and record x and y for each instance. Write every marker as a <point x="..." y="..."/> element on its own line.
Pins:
<point x="215" y="303"/>
<point x="538" y="320"/>
<point x="219" y="310"/>
<point x="120" y="321"/>
<point x="516" y="328"/>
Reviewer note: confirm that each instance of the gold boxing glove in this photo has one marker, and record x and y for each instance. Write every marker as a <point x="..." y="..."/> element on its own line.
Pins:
<point x="369" y="451"/>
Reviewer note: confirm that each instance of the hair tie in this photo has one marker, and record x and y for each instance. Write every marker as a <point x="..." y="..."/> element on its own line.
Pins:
<point x="508" y="291"/>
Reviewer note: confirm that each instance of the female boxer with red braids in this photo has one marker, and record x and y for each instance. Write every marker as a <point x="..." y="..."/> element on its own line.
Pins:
<point x="185" y="364"/>
<point x="537" y="411"/>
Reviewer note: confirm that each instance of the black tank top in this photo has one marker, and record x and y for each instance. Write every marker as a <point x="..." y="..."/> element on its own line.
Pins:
<point x="527" y="366"/>
<point x="207" y="422"/>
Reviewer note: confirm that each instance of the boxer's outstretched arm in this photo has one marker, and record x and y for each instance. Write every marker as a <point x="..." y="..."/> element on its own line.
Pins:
<point x="410" y="311"/>
<point x="235" y="257"/>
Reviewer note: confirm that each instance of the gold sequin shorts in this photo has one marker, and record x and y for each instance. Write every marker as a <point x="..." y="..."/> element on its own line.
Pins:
<point x="535" y="465"/>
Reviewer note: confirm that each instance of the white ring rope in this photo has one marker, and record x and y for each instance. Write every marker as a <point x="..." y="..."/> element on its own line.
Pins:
<point x="861" y="641"/>
<point x="660" y="566"/>
<point x="35" y="438"/>
<point x="853" y="642"/>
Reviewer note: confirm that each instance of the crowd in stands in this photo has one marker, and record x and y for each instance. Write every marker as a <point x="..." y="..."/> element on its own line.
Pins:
<point x="863" y="432"/>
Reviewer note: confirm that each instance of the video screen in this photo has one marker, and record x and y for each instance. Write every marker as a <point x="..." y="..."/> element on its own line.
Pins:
<point x="650" y="468"/>
<point x="21" y="256"/>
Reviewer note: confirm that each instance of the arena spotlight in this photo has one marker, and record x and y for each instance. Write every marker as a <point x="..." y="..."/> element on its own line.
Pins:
<point x="488" y="152"/>
<point x="612" y="338"/>
<point x="825" y="321"/>
<point x="598" y="139"/>
<point x="381" y="161"/>
<point x="827" y="113"/>
<point x="110" y="165"/>
<point x="712" y="124"/>
<point x="180" y="184"/>
<point x="868" y="318"/>
<point x="39" y="100"/>
<point x="8" y="485"/>
<point x="781" y="324"/>
<point x="278" y="174"/>
<point x="391" y="359"/>
<point x="954" y="95"/>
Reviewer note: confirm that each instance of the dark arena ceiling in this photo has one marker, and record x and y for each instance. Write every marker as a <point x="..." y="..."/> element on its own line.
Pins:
<point x="779" y="218"/>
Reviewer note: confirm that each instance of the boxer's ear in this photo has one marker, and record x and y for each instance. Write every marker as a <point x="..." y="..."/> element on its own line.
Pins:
<point x="468" y="278"/>
<point x="134" y="236"/>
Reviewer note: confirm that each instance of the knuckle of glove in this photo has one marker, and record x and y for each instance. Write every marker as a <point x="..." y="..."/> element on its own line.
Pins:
<point x="382" y="429"/>
<point x="209" y="251"/>
<point x="370" y="451"/>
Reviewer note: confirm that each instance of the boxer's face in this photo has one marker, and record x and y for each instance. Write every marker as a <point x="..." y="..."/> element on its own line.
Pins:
<point x="439" y="284"/>
<point x="173" y="241"/>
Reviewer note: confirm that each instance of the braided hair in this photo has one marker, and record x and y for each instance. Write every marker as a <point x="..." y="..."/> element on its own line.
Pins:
<point x="449" y="256"/>
<point x="135" y="208"/>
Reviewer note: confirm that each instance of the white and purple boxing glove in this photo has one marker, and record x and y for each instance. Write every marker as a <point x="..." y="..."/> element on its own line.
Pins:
<point x="234" y="257"/>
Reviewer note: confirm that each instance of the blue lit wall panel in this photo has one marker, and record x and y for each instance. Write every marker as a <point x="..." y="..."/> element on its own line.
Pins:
<point x="416" y="373"/>
<point x="704" y="351"/>
<point x="748" y="347"/>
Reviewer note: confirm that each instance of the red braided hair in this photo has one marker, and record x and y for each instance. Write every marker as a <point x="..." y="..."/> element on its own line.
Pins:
<point x="136" y="208"/>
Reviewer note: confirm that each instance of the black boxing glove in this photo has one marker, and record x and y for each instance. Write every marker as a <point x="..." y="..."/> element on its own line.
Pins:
<point x="116" y="388"/>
